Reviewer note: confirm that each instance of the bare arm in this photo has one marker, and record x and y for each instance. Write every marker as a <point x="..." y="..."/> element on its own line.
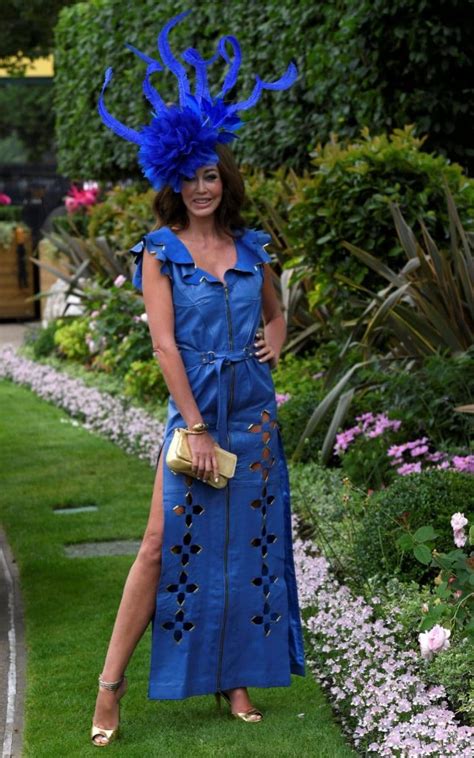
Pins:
<point x="157" y="294"/>
<point x="273" y="319"/>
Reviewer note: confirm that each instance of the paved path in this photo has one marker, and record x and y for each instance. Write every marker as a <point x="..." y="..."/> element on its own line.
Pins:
<point x="12" y="644"/>
<point x="12" y="655"/>
<point x="12" y="333"/>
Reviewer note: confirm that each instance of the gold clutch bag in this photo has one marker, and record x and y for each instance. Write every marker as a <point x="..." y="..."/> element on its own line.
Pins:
<point x="178" y="459"/>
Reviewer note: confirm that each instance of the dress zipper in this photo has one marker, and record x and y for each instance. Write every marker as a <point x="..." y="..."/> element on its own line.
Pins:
<point x="227" y="502"/>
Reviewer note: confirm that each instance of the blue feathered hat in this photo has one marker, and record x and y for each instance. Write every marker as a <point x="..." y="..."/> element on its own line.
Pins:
<point x="181" y="138"/>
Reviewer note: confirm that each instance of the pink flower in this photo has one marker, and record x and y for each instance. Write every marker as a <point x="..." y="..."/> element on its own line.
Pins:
<point x="458" y="521"/>
<point x="282" y="397"/>
<point x="459" y="537"/>
<point x="463" y="463"/>
<point x="434" y="641"/>
<point x="421" y="450"/>
<point x="5" y="199"/>
<point x="437" y="456"/>
<point x="120" y="280"/>
<point x="409" y="468"/>
<point x="78" y="198"/>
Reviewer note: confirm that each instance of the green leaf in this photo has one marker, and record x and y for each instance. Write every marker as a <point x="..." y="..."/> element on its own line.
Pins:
<point x="336" y="421"/>
<point x="422" y="554"/>
<point x="405" y="542"/>
<point x="425" y="533"/>
<point x="323" y="407"/>
<point x="443" y="590"/>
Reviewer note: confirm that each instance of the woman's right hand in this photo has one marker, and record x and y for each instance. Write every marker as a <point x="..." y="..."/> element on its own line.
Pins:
<point x="203" y="454"/>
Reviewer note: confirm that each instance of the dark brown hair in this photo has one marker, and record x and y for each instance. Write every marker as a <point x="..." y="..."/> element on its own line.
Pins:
<point x="171" y="211"/>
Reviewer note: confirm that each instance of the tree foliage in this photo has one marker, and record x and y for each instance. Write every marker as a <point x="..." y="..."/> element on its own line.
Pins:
<point x="27" y="30"/>
<point x="26" y="111"/>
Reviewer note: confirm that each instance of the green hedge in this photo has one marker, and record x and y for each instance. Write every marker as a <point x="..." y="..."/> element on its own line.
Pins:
<point x="430" y="497"/>
<point x="91" y="36"/>
<point x="346" y="196"/>
<point x="361" y="63"/>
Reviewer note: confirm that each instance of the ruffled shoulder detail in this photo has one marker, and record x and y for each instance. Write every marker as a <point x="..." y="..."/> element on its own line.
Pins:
<point x="254" y="241"/>
<point x="165" y="246"/>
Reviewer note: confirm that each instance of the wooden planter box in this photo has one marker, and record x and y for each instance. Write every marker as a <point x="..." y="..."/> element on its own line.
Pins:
<point x="13" y="292"/>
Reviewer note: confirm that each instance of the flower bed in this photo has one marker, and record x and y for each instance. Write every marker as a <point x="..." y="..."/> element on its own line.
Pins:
<point x="132" y="428"/>
<point x="376" y="687"/>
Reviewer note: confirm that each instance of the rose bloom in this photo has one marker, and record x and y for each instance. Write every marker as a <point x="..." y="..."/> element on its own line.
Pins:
<point x="119" y="280"/>
<point x="434" y="641"/>
<point x="458" y="521"/>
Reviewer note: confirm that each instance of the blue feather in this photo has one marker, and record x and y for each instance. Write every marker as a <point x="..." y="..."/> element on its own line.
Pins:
<point x="168" y="58"/>
<point x="181" y="139"/>
<point x="120" y="129"/>
<point x="231" y="77"/>
<point x="146" y="58"/>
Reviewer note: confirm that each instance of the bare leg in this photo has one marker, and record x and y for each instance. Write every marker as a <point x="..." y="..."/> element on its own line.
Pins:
<point x="136" y="608"/>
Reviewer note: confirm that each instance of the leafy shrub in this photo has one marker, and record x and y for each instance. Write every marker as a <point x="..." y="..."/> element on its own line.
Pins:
<point x="123" y="217"/>
<point x="424" y="397"/>
<point x="10" y="213"/>
<point x="145" y="382"/>
<point x="294" y="374"/>
<point x="366" y="462"/>
<point x="454" y="669"/>
<point x="41" y="340"/>
<point x="428" y="304"/>
<point x="347" y="196"/>
<point x="119" y="334"/>
<point x="292" y="418"/>
<point x="430" y="497"/>
<point x="328" y="507"/>
<point x="70" y="338"/>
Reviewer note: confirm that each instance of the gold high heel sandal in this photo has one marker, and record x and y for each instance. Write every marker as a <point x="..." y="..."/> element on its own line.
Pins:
<point x="251" y="716"/>
<point x="109" y="734"/>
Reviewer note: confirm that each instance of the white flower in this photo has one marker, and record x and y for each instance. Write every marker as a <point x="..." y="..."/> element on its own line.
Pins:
<point x="144" y="317"/>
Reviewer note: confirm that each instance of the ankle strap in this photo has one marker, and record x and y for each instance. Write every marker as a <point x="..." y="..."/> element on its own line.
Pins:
<point x="112" y="686"/>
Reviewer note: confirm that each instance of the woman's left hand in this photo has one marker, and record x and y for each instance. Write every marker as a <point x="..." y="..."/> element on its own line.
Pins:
<point x="264" y="351"/>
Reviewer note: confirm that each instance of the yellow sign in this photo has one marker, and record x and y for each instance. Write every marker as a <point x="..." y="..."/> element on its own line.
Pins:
<point x="38" y="67"/>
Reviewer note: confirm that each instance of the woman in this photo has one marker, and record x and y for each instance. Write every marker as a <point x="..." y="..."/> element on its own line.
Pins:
<point x="215" y="568"/>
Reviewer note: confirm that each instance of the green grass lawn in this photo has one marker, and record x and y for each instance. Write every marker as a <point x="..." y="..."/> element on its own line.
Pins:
<point x="71" y="603"/>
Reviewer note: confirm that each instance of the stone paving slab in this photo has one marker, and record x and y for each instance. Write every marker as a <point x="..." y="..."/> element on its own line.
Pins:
<point x="12" y="655"/>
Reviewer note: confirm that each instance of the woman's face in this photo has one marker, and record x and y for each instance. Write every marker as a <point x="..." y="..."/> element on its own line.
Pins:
<point x="203" y="193"/>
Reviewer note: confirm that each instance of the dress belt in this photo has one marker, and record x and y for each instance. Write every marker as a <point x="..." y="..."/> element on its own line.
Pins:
<point x="219" y="359"/>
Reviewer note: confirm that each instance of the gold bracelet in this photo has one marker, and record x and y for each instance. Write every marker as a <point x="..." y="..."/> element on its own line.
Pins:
<point x="199" y="428"/>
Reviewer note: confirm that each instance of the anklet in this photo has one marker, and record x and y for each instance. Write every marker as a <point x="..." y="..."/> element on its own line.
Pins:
<point x="112" y="686"/>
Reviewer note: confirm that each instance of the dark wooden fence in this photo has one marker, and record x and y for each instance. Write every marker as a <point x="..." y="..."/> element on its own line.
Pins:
<point x="37" y="190"/>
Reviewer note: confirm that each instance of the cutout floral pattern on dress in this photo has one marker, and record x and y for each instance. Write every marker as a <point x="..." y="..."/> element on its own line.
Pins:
<point x="265" y="539"/>
<point x="186" y="549"/>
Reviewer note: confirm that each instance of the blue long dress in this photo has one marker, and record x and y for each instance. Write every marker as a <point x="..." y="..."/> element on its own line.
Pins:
<point x="227" y="610"/>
